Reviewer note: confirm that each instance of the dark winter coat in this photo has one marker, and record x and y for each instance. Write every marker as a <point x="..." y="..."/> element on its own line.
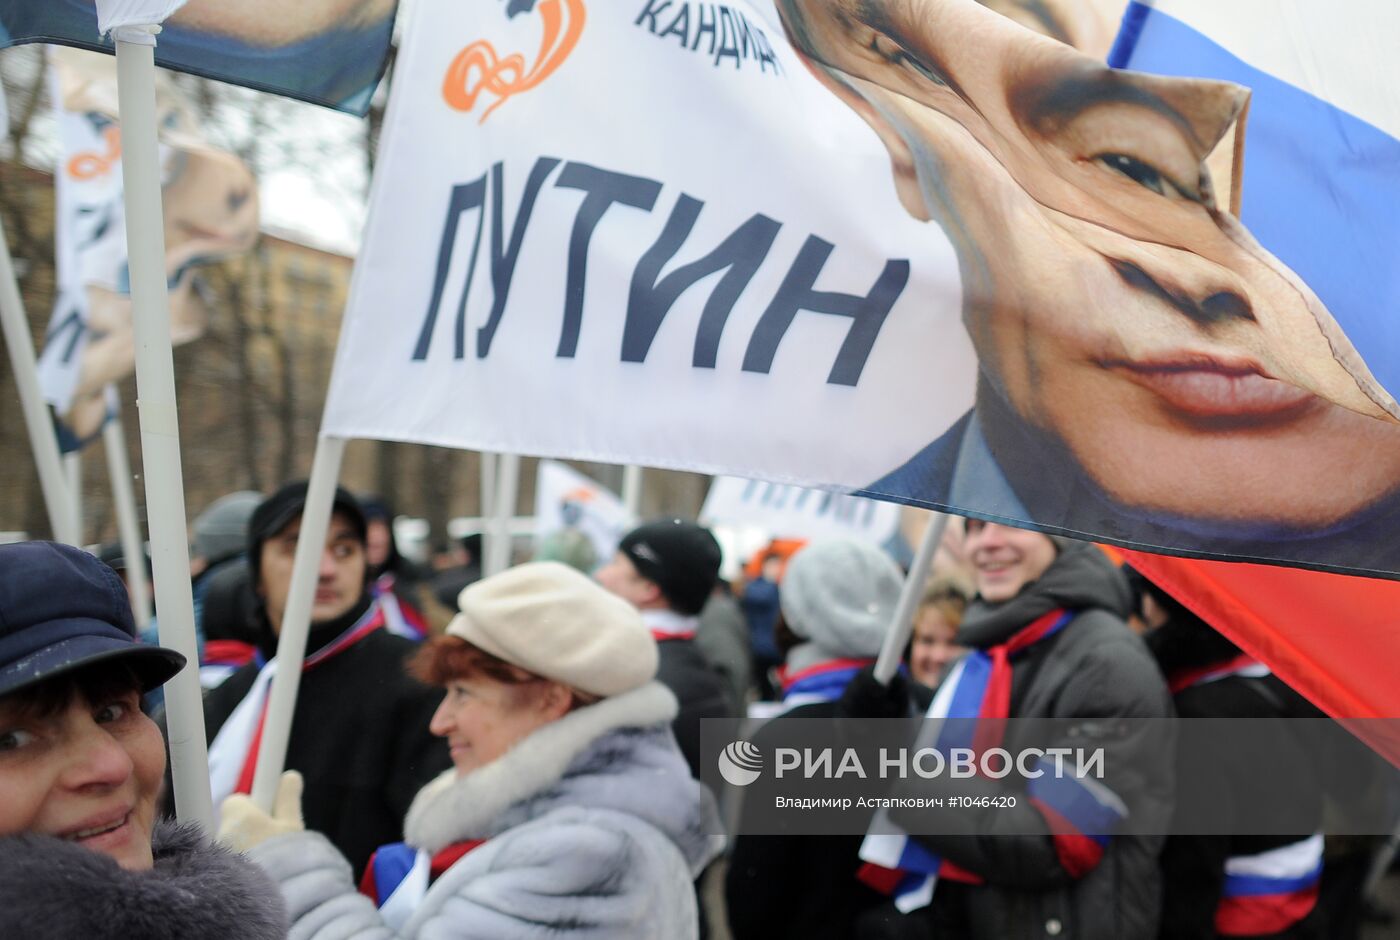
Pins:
<point x="1097" y="675"/>
<point x="787" y="884"/>
<point x="56" y="890"/>
<point x="359" y="737"/>
<point x="723" y="638"/>
<point x="699" y="688"/>
<point x="1233" y="779"/>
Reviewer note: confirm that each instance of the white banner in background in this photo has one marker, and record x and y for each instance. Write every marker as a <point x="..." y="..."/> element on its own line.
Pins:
<point x="657" y="241"/>
<point x="566" y="499"/>
<point x="798" y="513"/>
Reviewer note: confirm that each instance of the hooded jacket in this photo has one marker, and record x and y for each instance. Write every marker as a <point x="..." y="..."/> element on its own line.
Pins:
<point x="1097" y="678"/>
<point x="593" y="827"/>
<point x="56" y="890"/>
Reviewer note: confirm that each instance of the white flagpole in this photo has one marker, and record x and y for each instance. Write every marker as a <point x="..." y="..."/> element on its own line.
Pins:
<point x="160" y="431"/>
<point x="73" y="474"/>
<point x="632" y="489"/>
<point x="296" y="619"/>
<point x="503" y="513"/>
<point x="488" y="483"/>
<point x="893" y="649"/>
<point x="42" y="441"/>
<point x="128" y="523"/>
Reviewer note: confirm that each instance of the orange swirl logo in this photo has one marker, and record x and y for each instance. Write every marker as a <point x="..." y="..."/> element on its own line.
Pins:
<point x="478" y="68"/>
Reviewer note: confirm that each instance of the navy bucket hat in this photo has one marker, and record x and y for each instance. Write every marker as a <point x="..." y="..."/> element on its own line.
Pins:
<point x="61" y="609"/>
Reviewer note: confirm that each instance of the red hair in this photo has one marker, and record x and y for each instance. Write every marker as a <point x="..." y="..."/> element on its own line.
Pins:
<point x="441" y="659"/>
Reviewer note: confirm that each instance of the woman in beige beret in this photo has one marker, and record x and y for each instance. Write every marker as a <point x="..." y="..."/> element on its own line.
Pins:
<point x="569" y="809"/>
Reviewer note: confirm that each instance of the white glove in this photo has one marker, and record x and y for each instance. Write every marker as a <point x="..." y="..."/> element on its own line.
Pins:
<point x="244" y="825"/>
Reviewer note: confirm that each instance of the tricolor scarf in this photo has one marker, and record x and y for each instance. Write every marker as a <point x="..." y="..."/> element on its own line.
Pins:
<point x="822" y="682"/>
<point x="398" y="876"/>
<point x="669" y="625"/>
<point x="400" y="618"/>
<point x="1243" y="665"/>
<point x="1080" y="812"/>
<point x="233" y="754"/>
<point x="1270" y="891"/>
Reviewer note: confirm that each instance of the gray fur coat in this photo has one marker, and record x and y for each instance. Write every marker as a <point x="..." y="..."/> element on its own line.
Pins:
<point x="595" y="831"/>
<point x="55" y="890"/>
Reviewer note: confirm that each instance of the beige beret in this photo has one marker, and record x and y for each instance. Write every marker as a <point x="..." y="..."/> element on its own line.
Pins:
<point x="556" y="622"/>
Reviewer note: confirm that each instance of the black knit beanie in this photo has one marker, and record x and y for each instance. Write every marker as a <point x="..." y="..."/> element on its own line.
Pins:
<point x="681" y="557"/>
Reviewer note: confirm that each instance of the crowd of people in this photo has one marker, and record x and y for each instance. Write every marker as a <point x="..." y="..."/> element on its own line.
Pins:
<point x="520" y="755"/>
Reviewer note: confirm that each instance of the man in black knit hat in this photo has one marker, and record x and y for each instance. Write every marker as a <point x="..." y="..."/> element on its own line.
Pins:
<point x="667" y="570"/>
<point x="360" y="733"/>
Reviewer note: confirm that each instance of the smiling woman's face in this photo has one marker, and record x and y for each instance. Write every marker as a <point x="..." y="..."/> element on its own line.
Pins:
<point x="87" y="769"/>
<point x="1111" y="302"/>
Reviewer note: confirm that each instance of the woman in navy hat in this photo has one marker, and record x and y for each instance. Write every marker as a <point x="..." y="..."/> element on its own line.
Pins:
<point x="82" y="853"/>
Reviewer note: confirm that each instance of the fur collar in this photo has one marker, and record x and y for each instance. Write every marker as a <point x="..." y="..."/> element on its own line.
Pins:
<point x="61" y="891"/>
<point x="453" y="809"/>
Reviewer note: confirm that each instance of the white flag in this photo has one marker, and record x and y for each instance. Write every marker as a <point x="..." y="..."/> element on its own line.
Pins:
<point x="566" y="499"/>
<point x="114" y="14"/>
<point x="798" y="513"/>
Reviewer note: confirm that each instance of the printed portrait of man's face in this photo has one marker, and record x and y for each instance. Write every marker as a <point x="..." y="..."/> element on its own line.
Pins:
<point x="1112" y="302"/>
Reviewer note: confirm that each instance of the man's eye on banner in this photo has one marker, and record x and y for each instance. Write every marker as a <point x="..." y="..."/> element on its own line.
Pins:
<point x="1148" y="371"/>
<point x="330" y="52"/>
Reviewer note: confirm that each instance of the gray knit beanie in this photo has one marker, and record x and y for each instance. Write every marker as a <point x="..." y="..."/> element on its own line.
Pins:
<point x="221" y="531"/>
<point x="840" y="595"/>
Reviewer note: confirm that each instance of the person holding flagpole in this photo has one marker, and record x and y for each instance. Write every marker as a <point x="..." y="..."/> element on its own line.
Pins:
<point x="1073" y="856"/>
<point x="360" y="735"/>
<point x="569" y="811"/>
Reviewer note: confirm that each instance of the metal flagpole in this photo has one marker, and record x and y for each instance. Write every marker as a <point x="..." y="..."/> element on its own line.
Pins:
<point x="898" y="638"/>
<point x="160" y="432"/>
<point x="296" y="619"/>
<point x="36" y="413"/>
<point x="128" y="523"/>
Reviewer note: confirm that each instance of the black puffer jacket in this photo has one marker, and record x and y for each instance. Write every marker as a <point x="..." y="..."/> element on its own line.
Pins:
<point x="55" y="890"/>
<point x="1098" y="677"/>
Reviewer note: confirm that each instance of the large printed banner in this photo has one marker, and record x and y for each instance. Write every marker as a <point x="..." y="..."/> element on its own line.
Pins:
<point x="794" y="512"/>
<point x="211" y="212"/>
<point x="908" y="249"/>
<point x="330" y="52"/>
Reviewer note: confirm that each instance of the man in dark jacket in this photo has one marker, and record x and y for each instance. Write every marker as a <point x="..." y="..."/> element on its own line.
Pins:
<point x="667" y="570"/>
<point x="1234" y="869"/>
<point x="1050" y="610"/>
<point x="360" y="733"/>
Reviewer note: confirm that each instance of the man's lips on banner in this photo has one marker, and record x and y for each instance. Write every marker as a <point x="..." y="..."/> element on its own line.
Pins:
<point x="1209" y="387"/>
<point x="479" y="68"/>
